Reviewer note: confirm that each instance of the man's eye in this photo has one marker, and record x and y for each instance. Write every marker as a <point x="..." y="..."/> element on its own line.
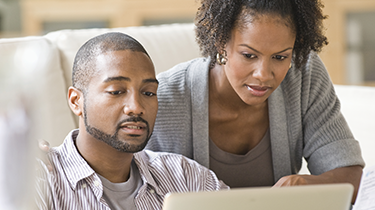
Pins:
<point x="149" y="94"/>
<point x="117" y="92"/>
<point x="280" y="57"/>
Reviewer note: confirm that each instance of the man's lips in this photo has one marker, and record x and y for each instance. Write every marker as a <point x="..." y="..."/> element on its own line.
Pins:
<point x="134" y="128"/>
<point x="258" y="90"/>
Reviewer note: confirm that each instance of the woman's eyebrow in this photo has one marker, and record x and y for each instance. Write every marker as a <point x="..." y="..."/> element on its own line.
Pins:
<point x="245" y="45"/>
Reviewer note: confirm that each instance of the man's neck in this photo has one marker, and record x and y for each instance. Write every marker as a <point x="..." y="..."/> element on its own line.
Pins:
<point x="103" y="159"/>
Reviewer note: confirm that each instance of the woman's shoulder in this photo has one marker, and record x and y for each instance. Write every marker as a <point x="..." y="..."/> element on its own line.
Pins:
<point x="316" y="74"/>
<point x="308" y="85"/>
<point x="179" y="72"/>
<point x="313" y="72"/>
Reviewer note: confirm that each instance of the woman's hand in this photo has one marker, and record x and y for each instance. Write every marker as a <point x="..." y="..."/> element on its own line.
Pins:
<point x="43" y="151"/>
<point x="294" y="180"/>
<point x="350" y="174"/>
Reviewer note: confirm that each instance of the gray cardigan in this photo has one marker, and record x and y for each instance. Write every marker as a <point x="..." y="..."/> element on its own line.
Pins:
<point x="304" y="111"/>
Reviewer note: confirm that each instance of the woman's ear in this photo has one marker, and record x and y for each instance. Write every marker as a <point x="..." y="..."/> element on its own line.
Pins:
<point x="75" y="100"/>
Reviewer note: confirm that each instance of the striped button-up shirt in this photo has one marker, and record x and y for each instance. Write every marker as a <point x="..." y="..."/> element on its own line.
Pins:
<point x="73" y="184"/>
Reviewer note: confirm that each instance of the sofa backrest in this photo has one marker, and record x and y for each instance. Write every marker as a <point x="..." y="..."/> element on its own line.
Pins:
<point x="30" y="75"/>
<point x="167" y="45"/>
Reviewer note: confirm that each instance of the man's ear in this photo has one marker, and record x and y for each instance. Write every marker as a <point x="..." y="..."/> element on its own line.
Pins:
<point x="75" y="100"/>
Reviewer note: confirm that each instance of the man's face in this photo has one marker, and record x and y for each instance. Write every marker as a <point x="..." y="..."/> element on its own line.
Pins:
<point x="120" y="104"/>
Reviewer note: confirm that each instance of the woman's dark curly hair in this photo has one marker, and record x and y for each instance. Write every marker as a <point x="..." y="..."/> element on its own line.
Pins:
<point x="216" y="19"/>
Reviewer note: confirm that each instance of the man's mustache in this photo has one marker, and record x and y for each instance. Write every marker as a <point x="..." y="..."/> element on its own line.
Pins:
<point x="132" y="119"/>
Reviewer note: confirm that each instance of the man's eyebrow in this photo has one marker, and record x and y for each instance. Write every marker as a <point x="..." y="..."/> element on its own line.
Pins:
<point x="120" y="78"/>
<point x="245" y="45"/>
<point x="151" y="81"/>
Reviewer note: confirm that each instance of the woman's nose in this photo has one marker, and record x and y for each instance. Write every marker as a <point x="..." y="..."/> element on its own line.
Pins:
<point x="263" y="72"/>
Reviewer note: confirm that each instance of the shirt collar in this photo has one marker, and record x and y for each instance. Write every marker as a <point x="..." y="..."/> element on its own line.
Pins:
<point x="76" y="168"/>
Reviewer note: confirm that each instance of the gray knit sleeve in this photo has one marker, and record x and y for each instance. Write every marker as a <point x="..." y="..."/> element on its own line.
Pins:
<point x="327" y="140"/>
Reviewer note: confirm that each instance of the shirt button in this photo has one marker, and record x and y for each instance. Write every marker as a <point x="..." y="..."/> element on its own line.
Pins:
<point x="96" y="183"/>
<point x="84" y="185"/>
<point x="152" y="191"/>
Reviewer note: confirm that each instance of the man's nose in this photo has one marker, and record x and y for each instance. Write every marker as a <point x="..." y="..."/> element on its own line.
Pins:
<point x="133" y="105"/>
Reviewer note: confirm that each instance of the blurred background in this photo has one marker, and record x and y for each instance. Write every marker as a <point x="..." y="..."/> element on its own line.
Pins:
<point x="350" y="56"/>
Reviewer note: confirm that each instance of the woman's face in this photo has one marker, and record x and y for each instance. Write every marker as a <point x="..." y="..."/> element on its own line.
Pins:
<point x="259" y="56"/>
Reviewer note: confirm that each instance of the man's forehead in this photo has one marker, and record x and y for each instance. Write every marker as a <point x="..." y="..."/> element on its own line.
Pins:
<point x="128" y="79"/>
<point x="110" y="56"/>
<point x="126" y="58"/>
<point x="124" y="63"/>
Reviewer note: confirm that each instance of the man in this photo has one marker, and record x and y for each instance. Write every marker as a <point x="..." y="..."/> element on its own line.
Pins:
<point x="102" y="165"/>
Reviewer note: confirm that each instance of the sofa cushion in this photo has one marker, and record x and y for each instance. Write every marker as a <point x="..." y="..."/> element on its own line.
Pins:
<point x="30" y="71"/>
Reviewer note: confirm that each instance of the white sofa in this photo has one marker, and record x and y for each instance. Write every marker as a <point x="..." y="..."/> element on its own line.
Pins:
<point x="39" y="69"/>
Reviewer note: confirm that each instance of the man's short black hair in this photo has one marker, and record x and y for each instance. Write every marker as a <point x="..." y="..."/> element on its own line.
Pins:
<point x="83" y="66"/>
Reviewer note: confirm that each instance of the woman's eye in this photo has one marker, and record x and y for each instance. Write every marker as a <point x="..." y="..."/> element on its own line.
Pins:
<point x="249" y="55"/>
<point x="149" y="94"/>
<point x="280" y="57"/>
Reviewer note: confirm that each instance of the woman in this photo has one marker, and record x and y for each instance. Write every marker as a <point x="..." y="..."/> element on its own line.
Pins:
<point x="260" y="100"/>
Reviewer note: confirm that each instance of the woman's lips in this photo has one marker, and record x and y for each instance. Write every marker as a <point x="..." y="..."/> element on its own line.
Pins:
<point x="258" y="91"/>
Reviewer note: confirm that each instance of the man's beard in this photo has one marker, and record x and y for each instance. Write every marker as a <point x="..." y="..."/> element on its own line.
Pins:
<point x="112" y="140"/>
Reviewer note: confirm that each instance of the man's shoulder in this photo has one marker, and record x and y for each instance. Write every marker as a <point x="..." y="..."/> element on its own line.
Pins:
<point x="167" y="160"/>
<point x="182" y="173"/>
<point x="65" y="163"/>
<point x="151" y="156"/>
<point x="51" y="169"/>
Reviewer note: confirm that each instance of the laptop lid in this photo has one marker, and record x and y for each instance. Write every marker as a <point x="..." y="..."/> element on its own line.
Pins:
<point x="309" y="197"/>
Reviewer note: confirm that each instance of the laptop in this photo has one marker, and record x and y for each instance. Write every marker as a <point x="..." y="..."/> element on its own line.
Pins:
<point x="308" y="197"/>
